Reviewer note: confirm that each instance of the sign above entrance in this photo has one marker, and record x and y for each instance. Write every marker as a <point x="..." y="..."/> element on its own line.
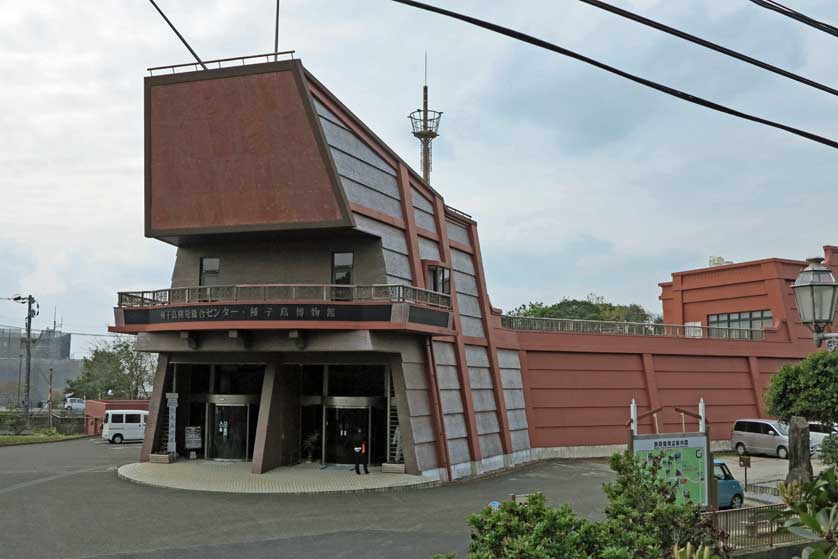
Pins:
<point x="237" y="312"/>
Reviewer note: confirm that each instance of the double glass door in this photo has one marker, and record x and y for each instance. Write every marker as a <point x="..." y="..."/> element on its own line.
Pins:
<point x="230" y="432"/>
<point x="345" y="427"/>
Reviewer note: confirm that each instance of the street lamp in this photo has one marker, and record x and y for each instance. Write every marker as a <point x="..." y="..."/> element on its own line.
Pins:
<point x="816" y="294"/>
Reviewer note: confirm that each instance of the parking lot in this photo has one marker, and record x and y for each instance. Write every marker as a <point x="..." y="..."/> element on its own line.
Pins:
<point x="763" y="468"/>
<point x="64" y="500"/>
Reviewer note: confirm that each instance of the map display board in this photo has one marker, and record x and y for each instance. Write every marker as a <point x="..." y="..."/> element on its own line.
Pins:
<point x="686" y="462"/>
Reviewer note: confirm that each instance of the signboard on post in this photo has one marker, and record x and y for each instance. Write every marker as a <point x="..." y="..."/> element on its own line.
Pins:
<point x="171" y="403"/>
<point x="685" y="461"/>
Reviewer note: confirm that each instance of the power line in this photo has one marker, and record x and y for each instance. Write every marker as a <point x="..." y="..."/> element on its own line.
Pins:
<point x="66" y="332"/>
<point x="643" y="81"/>
<point x="707" y="44"/>
<point x="802" y="18"/>
<point x="179" y="36"/>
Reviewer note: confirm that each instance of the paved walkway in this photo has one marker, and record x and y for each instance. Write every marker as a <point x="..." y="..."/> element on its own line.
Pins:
<point x="235" y="477"/>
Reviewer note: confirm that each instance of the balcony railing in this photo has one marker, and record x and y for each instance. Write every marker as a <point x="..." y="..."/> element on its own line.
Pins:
<point x="280" y="292"/>
<point x="628" y="328"/>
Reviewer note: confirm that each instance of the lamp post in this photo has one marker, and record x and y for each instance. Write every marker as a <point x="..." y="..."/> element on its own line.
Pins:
<point x="816" y="294"/>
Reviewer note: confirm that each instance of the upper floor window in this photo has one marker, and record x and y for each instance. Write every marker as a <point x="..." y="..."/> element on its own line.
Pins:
<point x="210" y="268"/>
<point x="751" y="320"/>
<point x="342" y="263"/>
<point x="439" y="279"/>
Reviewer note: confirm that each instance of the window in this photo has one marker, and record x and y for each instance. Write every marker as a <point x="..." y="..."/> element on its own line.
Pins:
<point x="721" y="472"/>
<point x="210" y="268"/>
<point x="132" y="418"/>
<point x="342" y="268"/>
<point x="107" y="417"/>
<point x="692" y="329"/>
<point x="751" y="320"/>
<point x="439" y="279"/>
<point x="818" y="428"/>
<point x="117" y="418"/>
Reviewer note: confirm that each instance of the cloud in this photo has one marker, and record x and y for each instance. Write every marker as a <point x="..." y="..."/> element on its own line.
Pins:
<point x="586" y="181"/>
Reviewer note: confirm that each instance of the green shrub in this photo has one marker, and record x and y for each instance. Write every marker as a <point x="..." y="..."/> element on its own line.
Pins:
<point x="643" y="521"/>
<point x="828" y="450"/>
<point x="642" y="513"/>
<point x="48" y="432"/>
<point x="531" y="530"/>
<point x="812" y="513"/>
<point x="14" y="421"/>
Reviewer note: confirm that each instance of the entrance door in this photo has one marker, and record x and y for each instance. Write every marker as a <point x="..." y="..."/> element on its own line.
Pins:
<point x="341" y="426"/>
<point x="229" y="433"/>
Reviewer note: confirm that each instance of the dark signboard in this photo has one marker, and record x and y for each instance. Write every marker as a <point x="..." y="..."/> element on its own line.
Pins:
<point x="431" y="317"/>
<point x="259" y="312"/>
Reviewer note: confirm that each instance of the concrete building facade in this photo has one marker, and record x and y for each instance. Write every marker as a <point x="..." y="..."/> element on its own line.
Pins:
<point x="321" y="287"/>
<point x="50" y="350"/>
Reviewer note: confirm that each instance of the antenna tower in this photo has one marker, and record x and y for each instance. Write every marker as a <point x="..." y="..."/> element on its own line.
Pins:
<point x="425" y="123"/>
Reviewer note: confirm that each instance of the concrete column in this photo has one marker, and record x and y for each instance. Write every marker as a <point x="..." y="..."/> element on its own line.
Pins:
<point x="155" y="408"/>
<point x="278" y="426"/>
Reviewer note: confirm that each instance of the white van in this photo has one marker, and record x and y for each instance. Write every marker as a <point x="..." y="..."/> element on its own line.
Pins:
<point x="124" y="425"/>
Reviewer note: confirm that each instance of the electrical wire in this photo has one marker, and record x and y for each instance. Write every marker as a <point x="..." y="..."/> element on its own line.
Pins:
<point x="708" y="44"/>
<point x="35" y="331"/>
<point x="637" y="79"/>
<point x="802" y="18"/>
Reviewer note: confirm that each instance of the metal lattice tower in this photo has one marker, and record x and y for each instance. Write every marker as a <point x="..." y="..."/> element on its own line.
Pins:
<point x="425" y="123"/>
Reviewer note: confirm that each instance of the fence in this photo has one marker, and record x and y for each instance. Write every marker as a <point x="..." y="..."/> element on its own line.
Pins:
<point x="65" y="423"/>
<point x="753" y="527"/>
<point x="280" y="292"/>
<point x="628" y="328"/>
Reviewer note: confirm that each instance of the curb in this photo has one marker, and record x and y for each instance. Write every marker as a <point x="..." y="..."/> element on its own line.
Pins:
<point x="394" y="488"/>
<point x="64" y="440"/>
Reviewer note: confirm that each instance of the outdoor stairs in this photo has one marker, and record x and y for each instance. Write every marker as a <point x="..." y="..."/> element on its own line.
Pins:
<point x="395" y="458"/>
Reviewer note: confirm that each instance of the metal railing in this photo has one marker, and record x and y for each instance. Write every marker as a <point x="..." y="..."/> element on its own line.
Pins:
<point x="627" y="328"/>
<point x="194" y="66"/>
<point x="752" y="527"/>
<point x="264" y="293"/>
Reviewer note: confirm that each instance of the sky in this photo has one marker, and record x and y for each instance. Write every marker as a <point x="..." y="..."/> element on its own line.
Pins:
<point x="581" y="182"/>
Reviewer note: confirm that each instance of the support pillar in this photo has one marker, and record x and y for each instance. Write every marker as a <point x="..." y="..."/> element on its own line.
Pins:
<point x="278" y="425"/>
<point x="155" y="408"/>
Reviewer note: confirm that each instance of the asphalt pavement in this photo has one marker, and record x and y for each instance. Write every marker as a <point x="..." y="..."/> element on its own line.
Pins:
<point x="64" y="500"/>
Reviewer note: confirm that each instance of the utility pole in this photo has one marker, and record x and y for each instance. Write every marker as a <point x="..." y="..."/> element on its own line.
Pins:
<point x="29" y="314"/>
<point x="49" y="405"/>
<point x="19" y="371"/>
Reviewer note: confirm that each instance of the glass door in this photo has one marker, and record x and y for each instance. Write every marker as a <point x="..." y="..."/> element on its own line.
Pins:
<point x="230" y="432"/>
<point x="342" y="425"/>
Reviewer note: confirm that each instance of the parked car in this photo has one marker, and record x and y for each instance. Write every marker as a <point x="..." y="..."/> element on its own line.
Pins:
<point x="124" y="425"/>
<point x="74" y="404"/>
<point x="818" y="432"/>
<point x="729" y="493"/>
<point x="763" y="436"/>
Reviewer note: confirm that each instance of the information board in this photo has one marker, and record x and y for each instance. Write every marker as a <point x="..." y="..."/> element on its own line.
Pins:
<point x="686" y="462"/>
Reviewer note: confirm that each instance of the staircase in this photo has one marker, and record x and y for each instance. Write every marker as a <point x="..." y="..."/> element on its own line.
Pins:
<point x="395" y="457"/>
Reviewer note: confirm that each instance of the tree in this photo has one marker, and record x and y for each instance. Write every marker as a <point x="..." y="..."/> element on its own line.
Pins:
<point x="808" y="389"/>
<point x="594" y="307"/>
<point x="114" y="369"/>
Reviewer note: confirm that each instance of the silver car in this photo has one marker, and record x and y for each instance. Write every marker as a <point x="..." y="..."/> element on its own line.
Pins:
<point x="763" y="436"/>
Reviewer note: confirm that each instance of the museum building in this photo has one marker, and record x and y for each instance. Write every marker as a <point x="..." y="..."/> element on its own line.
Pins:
<point x="322" y="286"/>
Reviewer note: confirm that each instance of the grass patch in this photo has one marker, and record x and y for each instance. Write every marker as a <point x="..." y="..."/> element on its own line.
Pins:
<point x="35" y="438"/>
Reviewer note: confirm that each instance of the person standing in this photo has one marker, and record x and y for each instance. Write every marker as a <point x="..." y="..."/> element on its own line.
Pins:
<point x="359" y="442"/>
